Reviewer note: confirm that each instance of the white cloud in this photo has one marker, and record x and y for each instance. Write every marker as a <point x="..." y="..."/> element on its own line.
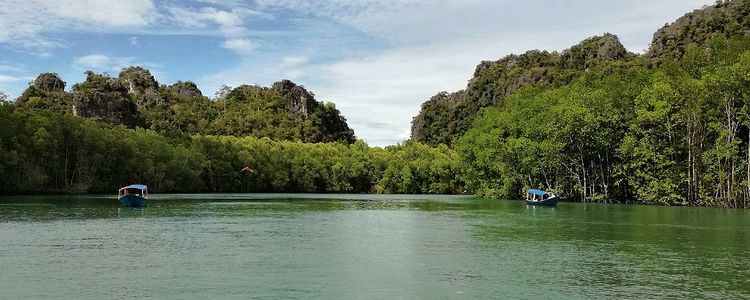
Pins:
<point x="34" y="25"/>
<point x="11" y="84"/>
<point x="241" y="46"/>
<point x="11" y="68"/>
<point x="293" y="61"/>
<point x="402" y="22"/>
<point x="228" y="21"/>
<point x="101" y="62"/>
<point x="13" y="79"/>
<point x="227" y="3"/>
<point x="229" y="24"/>
<point x="131" y="13"/>
<point x="434" y="45"/>
<point x="113" y="65"/>
<point x="38" y="26"/>
<point x="389" y="87"/>
<point x="293" y="67"/>
<point x="263" y="71"/>
<point x="294" y="74"/>
<point x="133" y="41"/>
<point x="30" y="25"/>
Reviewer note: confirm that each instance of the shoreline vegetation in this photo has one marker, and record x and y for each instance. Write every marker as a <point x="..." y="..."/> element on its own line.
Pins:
<point x="594" y="123"/>
<point x="673" y="134"/>
<point x="597" y="123"/>
<point x="60" y="153"/>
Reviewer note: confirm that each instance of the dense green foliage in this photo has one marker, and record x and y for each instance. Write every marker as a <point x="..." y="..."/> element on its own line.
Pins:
<point x="596" y="123"/>
<point x="446" y="117"/>
<point x="43" y="151"/>
<point x="625" y="131"/>
<point x="285" y="111"/>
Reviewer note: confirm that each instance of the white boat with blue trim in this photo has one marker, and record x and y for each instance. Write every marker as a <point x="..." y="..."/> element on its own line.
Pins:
<point x="541" y="198"/>
<point x="134" y="195"/>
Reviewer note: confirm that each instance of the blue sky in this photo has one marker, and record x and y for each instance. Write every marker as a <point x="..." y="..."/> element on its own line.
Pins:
<point x="378" y="60"/>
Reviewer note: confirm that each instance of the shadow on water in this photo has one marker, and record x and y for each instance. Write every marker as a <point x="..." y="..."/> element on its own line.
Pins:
<point x="131" y="212"/>
<point x="46" y="208"/>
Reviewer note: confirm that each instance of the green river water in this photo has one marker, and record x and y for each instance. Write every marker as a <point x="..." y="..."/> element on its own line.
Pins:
<point x="366" y="247"/>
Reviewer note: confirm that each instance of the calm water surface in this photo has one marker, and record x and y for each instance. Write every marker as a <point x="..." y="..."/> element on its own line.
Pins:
<point x="366" y="247"/>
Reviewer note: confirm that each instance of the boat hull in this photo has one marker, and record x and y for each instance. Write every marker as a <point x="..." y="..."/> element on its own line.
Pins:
<point x="547" y="202"/>
<point x="133" y="201"/>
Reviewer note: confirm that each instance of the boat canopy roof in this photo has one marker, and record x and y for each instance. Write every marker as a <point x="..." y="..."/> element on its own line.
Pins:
<point x="136" y="186"/>
<point x="537" y="192"/>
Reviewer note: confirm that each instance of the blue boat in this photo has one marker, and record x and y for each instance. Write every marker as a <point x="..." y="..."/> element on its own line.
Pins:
<point x="133" y="195"/>
<point x="541" y="198"/>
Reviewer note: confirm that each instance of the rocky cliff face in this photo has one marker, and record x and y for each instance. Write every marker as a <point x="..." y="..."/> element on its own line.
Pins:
<point x="446" y="117"/>
<point x="134" y="98"/>
<point x="141" y="86"/>
<point x="49" y="82"/>
<point x="186" y="89"/>
<point x="137" y="79"/>
<point x="593" y="51"/>
<point x="301" y="102"/>
<point x="47" y="91"/>
<point x="697" y="28"/>
<point x="104" y="99"/>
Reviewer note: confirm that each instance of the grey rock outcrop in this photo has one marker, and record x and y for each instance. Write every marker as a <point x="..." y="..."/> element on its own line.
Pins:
<point x="697" y="28"/>
<point x="593" y="50"/>
<point x="49" y="82"/>
<point x="186" y="89"/>
<point x="105" y="99"/>
<point x="301" y="101"/>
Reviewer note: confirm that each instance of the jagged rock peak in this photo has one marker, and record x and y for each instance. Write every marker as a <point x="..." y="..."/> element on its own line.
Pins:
<point x="99" y="81"/>
<point x="287" y="87"/>
<point x="105" y="99"/>
<point x="49" y="82"/>
<point x="186" y="89"/>
<point x="590" y="51"/>
<point x="531" y="58"/>
<point x="138" y="79"/>
<point x="697" y="28"/>
<point x="301" y="101"/>
<point x="445" y="98"/>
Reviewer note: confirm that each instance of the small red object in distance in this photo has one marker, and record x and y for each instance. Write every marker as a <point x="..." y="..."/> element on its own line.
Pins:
<point x="247" y="169"/>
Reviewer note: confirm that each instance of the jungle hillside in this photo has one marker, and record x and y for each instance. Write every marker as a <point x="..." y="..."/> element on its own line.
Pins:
<point x="597" y="123"/>
<point x="108" y="132"/>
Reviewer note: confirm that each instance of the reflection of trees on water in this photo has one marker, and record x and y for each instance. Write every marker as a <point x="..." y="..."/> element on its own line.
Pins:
<point x="676" y="252"/>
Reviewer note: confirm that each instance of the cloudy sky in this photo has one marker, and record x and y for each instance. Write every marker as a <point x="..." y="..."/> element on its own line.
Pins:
<point x="378" y="60"/>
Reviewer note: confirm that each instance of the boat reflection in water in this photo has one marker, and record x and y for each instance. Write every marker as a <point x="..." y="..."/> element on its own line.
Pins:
<point x="130" y="212"/>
